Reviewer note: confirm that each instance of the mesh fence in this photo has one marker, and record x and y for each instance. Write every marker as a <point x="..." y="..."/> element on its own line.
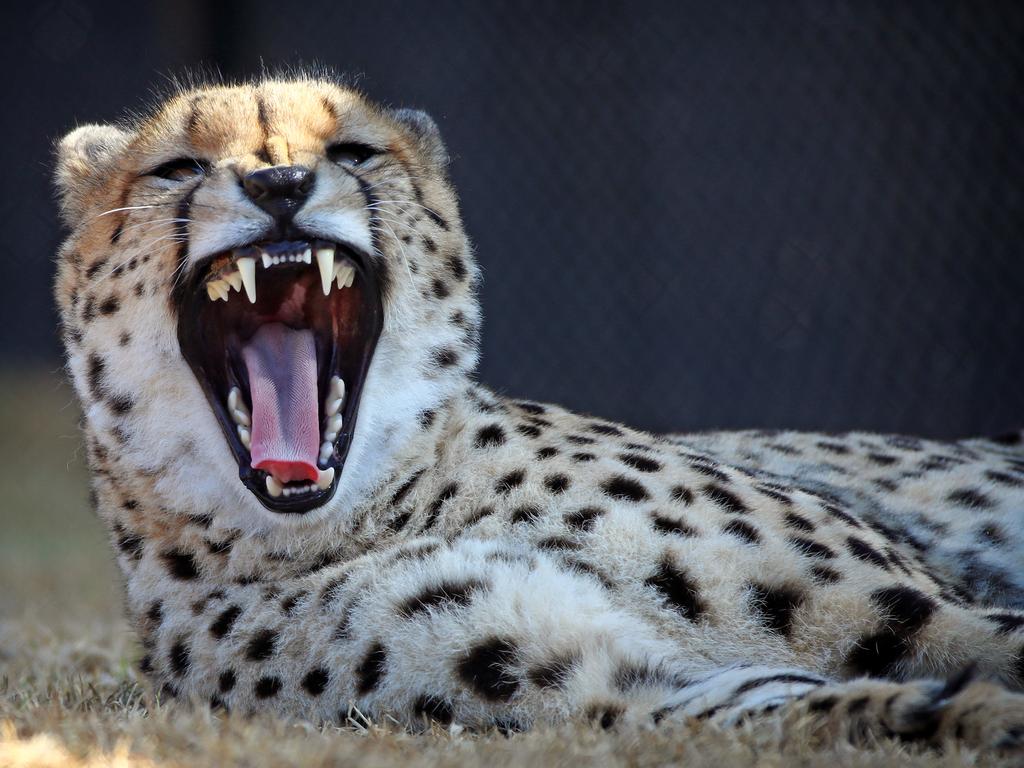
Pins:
<point x="761" y="214"/>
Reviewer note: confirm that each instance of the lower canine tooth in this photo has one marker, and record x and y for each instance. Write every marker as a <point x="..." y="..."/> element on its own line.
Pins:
<point x="274" y="488"/>
<point x="325" y="478"/>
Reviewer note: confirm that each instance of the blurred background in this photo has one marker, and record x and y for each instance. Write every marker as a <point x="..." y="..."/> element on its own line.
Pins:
<point x="689" y="215"/>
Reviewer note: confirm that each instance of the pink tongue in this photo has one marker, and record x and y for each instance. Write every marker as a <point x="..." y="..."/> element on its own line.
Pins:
<point x="283" y="388"/>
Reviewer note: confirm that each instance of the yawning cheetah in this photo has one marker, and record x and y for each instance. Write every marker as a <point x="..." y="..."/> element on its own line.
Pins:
<point x="270" y="314"/>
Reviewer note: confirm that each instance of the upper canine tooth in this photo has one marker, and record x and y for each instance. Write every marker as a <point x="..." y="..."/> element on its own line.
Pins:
<point x="325" y="478"/>
<point x="274" y="488"/>
<point x="325" y="261"/>
<point x="247" y="273"/>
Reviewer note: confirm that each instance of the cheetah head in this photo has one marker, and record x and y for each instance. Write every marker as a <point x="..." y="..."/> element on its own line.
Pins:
<point x="264" y="288"/>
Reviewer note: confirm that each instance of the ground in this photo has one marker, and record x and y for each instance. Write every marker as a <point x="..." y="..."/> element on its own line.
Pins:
<point x="69" y="694"/>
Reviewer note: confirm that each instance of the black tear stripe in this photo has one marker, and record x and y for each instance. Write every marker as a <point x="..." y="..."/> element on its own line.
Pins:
<point x="181" y="233"/>
<point x="369" y="202"/>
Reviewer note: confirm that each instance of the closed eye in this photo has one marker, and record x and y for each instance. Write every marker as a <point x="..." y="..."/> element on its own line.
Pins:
<point x="350" y="153"/>
<point x="180" y="169"/>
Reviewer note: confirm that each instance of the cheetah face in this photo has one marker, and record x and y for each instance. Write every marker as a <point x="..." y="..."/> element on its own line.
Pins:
<point x="289" y="287"/>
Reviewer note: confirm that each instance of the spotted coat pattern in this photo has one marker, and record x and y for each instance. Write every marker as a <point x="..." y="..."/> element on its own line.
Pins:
<point x="490" y="561"/>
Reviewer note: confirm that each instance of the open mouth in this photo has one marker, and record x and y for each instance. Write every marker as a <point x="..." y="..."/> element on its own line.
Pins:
<point x="280" y="336"/>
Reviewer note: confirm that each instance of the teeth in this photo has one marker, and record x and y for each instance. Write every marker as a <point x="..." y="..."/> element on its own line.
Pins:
<point x="274" y="488"/>
<point x="333" y="428"/>
<point x="335" y="398"/>
<point x="345" y="275"/>
<point x="239" y="413"/>
<point x="247" y="273"/>
<point x="267" y="260"/>
<point x="325" y="478"/>
<point x="307" y="256"/>
<point x="326" y="449"/>
<point x="234" y="280"/>
<point x="217" y="289"/>
<point x="325" y="261"/>
<point x="245" y="437"/>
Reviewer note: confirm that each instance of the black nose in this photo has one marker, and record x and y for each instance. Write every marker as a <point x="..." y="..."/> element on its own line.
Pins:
<point x="280" y="190"/>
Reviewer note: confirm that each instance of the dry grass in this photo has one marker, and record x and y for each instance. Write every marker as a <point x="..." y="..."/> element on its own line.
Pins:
<point x="69" y="695"/>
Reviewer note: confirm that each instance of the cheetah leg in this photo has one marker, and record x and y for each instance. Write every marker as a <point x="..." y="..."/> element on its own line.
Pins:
<point x="977" y="715"/>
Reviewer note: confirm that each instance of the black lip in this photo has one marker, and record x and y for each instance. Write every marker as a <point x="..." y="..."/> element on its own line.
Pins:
<point x="216" y="374"/>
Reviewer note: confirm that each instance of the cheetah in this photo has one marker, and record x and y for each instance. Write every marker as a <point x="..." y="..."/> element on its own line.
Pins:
<point x="269" y="309"/>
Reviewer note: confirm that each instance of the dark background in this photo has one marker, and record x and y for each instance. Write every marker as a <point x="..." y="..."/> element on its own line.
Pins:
<point x="690" y="215"/>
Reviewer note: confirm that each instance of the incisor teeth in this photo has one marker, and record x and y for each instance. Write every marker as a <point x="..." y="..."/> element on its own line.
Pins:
<point x="307" y="256"/>
<point x="245" y="436"/>
<point x="274" y="488"/>
<point x="325" y="478"/>
<point x="247" y="273"/>
<point x="267" y="260"/>
<point x="325" y="262"/>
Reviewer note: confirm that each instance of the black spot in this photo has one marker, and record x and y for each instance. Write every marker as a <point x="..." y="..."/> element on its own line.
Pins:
<point x="440" y="288"/>
<point x="457" y="267"/>
<point x="991" y="533"/>
<point x="742" y="530"/>
<point x="771" y="493"/>
<point x="1007" y="622"/>
<point x="906" y="609"/>
<point x="842" y="516"/>
<point x="782" y="677"/>
<point x="223" y="623"/>
<point x="477" y="516"/>
<point x="226" y="681"/>
<point x="486" y="669"/>
<point x="970" y="497"/>
<point x="444" y="357"/>
<point x="603" y="715"/>
<point x="371" y="669"/>
<point x="110" y="305"/>
<point x="220" y="547"/>
<point x="130" y="543"/>
<point x="864" y="551"/>
<point x="799" y="522"/>
<point x="156" y="612"/>
<point x="678" y="590"/>
<point x="94" y="373"/>
<point x="823" y="705"/>
<point x="535" y="408"/>
<point x="527" y="513"/>
<point x="812" y="548"/>
<point x="558" y="544"/>
<point x="510" y="481"/>
<point x="583" y="519"/>
<point x="435" y="508"/>
<point x="639" y="463"/>
<point x="582" y="457"/>
<point x="426" y="419"/>
<point x="95" y="267"/>
<point x="315" y="681"/>
<point x="443" y="594"/>
<point x="774" y="606"/>
<point x="580" y="440"/>
<point x="709" y="471"/>
<point x="723" y="498"/>
<point x="836" y="448"/>
<point x="179" y="658"/>
<point x="528" y="430"/>
<point x="822" y="574"/>
<point x="289" y="603"/>
<point x="404" y="489"/>
<point x="883" y="459"/>
<point x="681" y="494"/>
<point x="546" y="453"/>
<point x="267" y="687"/>
<point x="624" y="489"/>
<point x="1003" y="478"/>
<point x="490" y="436"/>
<point x="556" y="483"/>
<point x="668" y="525"/>
<point x="262" y="645"/>
<point x="605" y="429"/>
<point x="434" y="708"/>
<point x="552" y="673"/>
<point x="181" y="565"/>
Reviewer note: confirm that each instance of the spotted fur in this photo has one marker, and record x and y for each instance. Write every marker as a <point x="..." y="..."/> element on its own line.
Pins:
<point x="489" y="561"/>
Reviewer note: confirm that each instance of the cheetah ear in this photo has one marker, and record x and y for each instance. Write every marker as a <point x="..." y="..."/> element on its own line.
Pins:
<point x="425" y="131"/>
<point x="84" y="157"/>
